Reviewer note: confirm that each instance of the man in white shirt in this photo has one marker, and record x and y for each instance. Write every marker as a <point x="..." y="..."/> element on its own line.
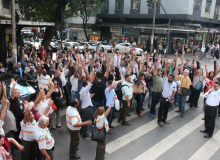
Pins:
<point x="74" y="83"/>
<point x="44" y="139"/>
<point x="127" y="93"/>
<point x="212" y="103"/>
<point x="74" y="124"/>
<point x="85" y="97"/>
<point x="169" y="91"/>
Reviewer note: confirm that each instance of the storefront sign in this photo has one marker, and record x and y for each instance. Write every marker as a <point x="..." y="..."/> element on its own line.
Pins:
<point x="117" y="35"/>
<point x="127" y="32"/>
<point x="116" y="29"/>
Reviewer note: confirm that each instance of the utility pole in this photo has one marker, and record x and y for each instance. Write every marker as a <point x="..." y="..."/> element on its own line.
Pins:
<point x="13" y="33"/>
<point x="153" y="26"/>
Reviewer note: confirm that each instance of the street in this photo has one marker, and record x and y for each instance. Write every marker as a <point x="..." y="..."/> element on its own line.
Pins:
<point x="145" y="140"/>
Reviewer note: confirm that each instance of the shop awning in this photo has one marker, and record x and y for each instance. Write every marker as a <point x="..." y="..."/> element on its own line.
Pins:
<point x="183" y="28"/>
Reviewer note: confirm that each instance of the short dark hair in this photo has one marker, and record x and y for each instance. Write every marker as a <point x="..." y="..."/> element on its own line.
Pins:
<point x="110" y="82"/>
<point x="172" y="75"/>
<point x="73" y="102"/>
<point x="99" y="74"/>
<point x="127" y="75"/>
<point x="84" y="83"/>
<point x="217" y="82"/>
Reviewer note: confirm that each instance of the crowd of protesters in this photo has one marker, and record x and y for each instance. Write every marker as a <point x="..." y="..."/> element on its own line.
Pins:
<point x="91" y="83"/>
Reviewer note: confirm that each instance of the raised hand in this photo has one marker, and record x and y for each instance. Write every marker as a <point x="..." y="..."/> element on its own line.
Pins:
<point x="215" y="58"/>
<point x="205" y="64"/>
<point x="50" y="103"/>
<point x="184" y="52"/>
<point x="13" y="81"/>
<point x="166" y="61"/>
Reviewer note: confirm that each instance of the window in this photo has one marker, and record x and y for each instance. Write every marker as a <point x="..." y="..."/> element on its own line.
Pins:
<point x="119" y="4"/>
<point x="207" y="7"/>
<point x="197" y="5"/>
<point x="216" y="10"/>
<point x="135" y="4"/>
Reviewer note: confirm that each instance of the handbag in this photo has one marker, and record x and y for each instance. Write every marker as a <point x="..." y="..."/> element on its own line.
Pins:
<point x="117" y="104"/>
<point x="138" y="89"/>
<point x="98" y="135"/>
<point x="59" y="102"/>
<point x="186" y="92"/>
<point x="54" y="107"/>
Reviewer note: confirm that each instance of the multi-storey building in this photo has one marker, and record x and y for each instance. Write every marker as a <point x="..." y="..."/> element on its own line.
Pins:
<point x="132" y="20"/>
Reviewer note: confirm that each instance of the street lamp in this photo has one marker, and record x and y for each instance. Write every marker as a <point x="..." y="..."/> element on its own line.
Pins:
<point x="210" y="21"/>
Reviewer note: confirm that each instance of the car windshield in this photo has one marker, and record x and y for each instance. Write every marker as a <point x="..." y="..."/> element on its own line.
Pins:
<point x="22" y="85"/>
<point x="103" y="43"/>
<point x="92" y="44"/>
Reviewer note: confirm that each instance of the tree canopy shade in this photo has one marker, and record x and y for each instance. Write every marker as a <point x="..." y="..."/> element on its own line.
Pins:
<point x="51" y="11"/>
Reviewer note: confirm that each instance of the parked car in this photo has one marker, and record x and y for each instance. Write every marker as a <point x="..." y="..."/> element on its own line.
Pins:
<point x="54" y="46"/>
<point x="69" y="45"/>
<point x="27" y="91"/>
<point x="89" y="45"/>
<point x="103" y="46"/>
<point x="121" y="47"/>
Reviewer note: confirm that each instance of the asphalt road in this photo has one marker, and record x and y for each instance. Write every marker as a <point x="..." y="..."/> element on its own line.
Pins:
<point x="144" y="140"/>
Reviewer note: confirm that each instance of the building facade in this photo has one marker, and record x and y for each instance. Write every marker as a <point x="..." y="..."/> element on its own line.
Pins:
<point x="131" y="20"/>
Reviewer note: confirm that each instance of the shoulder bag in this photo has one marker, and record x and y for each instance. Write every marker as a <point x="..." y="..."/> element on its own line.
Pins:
<point x="138" y="89"/>
<point x="185" y="91"/>
<point x="98" y="135"/>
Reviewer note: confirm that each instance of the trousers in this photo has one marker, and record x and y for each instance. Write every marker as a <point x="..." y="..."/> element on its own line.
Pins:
<point x="74" y="141"/>
<point x="163" y="110"/>
<point x="194" y="97"/>
<point x="210" y="115"/>
<point x="30" y="150"/>
<point x="86" y="116"/>
<point x="100" y="150"/>
<point x="124" y="112"/>
<point x="155" y="99"/>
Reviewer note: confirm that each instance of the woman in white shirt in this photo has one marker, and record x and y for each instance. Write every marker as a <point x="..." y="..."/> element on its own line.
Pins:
<point x="100" y="118"/>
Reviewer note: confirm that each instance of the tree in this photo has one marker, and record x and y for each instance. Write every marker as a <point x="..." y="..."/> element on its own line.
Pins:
<point x="84" y="9"/>
<point x="51" y="11"/>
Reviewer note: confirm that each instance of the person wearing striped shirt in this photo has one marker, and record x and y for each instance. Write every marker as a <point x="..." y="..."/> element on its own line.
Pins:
<point x="74" y="124"/>
<point x="44" y="138"/>
<point x="100" y="118"/>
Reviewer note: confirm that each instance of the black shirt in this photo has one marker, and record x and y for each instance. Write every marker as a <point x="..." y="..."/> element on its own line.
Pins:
<point x="17" y="107"/>
<point x="99" y="89"/>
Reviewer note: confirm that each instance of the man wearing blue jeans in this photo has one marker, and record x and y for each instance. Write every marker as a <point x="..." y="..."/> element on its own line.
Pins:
<point x="157" y="88"/>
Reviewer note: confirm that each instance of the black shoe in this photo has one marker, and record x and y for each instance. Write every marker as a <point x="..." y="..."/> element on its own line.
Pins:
<point x="188" y="101"/>
<point x="142" y="109"/>
<point x="58" y="126"/>
<point x="207" y="136"/>
<point x="75" y="157"/>
<point x="166" y="122"/>
<point x="110" y="133"/>
<point x="112" y="127"/>
<point x="148" y="105"/>
<point x="182" y="115"/>
<point x="128" y="114"/>
<point x="86" y="136"/>
<point x="160" y="124"/>
<point x="203" y="131"/>
<point x="126" y="123"/>
<point x="119" y="120"/>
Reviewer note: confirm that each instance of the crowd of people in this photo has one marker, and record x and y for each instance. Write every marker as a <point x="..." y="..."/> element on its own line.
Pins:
<point x="91" y="84"/>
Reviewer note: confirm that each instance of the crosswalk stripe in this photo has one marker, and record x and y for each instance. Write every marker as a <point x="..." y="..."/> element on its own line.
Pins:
<point x="168" y="142"/>
<point x="208" y="149"/>
<point x="131" y="136"/>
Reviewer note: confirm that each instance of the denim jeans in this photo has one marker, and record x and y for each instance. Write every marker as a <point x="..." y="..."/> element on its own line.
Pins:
<point x="110" y="115"/>
<point x="95" y="106"/>
<point x="155" y="99"/>
<point x="176" y="98"/>
<point x="139" y="98"/>
<point x="74" y="94"/>
<point x="182" y="102"/>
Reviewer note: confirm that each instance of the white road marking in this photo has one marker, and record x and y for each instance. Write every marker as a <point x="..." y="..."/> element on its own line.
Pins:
<point x="161" y="147"/>
<point x="133" y="135"/>
<point x="208" y="149"/>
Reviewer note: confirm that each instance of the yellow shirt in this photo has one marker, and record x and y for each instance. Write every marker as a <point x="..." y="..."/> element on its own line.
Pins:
<point x="185" y="82"/>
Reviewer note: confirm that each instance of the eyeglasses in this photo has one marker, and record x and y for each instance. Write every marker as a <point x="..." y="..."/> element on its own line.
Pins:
<point x="55" y="83"/>
<point x="215" y="86"/>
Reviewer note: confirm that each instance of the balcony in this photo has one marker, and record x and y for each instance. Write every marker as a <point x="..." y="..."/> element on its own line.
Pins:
<point x="135" y="11"/>
<point x="79" y="20"/>
<point x="119" y="11"/>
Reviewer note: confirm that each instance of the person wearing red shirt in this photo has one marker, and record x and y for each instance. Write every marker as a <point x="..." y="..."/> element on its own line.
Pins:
<point x="43" y="53"/>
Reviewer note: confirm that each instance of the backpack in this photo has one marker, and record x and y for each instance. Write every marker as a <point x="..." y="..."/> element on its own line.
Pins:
<point x="118" y="90"/>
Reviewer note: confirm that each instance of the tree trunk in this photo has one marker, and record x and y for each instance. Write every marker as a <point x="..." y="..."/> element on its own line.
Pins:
<point x="50" y="31"/>
<point x="84" y="28"/>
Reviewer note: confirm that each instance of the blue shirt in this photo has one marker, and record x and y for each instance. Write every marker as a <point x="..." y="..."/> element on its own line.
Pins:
<point x="199" y="85"/>
<point x="21" y="73"/>
<point x="109" y="97"/>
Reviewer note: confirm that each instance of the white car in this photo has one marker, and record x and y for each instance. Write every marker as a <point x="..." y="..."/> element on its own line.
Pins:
<point x="121" y="47"/>
<point x="103" y="46"/>
<point x="89" y="45"/>
<point x="69" y="45"/>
